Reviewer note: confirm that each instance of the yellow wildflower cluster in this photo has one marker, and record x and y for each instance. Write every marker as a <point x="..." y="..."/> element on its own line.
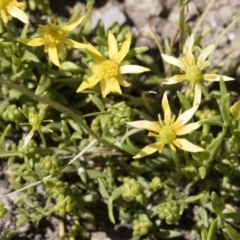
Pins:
<point x="108" y="73"/>
<point x="167" y="131"/>
<point x="12" y="7"/>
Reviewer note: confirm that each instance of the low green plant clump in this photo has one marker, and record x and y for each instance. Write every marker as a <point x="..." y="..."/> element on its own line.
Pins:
<point x="106" y="131"/>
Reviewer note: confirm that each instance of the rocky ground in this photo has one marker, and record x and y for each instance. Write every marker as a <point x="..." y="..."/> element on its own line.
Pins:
<point x="142" y="16"/>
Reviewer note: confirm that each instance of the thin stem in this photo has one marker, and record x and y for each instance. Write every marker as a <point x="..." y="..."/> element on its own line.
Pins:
<point x="61" y="108"/>
<point x="61" y="228"/>
<point x="181" y="24"/>
<point x="10" y="154"/>
<point x="83" y="151"/>
<point x="49" y="176"/>
<point x="199" y="22"/>
<point x="42" y="138"/>
<point x="176" y="160"/>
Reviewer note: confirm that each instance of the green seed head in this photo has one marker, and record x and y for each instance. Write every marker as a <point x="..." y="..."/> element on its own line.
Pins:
<point x="194" y="74"/>
<point x="167" y="135"/>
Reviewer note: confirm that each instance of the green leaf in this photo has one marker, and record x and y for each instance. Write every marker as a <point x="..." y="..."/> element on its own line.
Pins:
<point x="214" y="120"/>
<point x="22" y="220"/>
<point x="14" y="94"/>
<point x="36" y="219"/>
<point x="3" y="106"/>
<point x="9" y="234"/>
<point x="70" y="66"/>
<point x="174" y="192"/>
<point x="231" y="232"/>
<point x="230" y="216"/>
<point x="202" y="172"/>
<point x="212" y="229"/>
<point x="38" y="170"/>
<point x="116" y="193"/>
<point x="65" y="130"/>
<point x="28" y="56"/>
<point x="110" y="210"/>
<point x="102" y="189"/>
<point x="90" y="197"/>
<point x="76" y="136"/>
<point x="194" y="198"/>
<point x="224" y="101"/>
<point x="204" y="216"/>
<point x="15" y="184"/>
<point x="204" y="232"/>
<point x="135" y="51"/>
<point x="183" y="100"/>
<point x="166" y="234"/>
<point x="217" y="204"/>
<point x="43" y="85"/>
<point x="97" y="101"/>
<point x="70" y="169"/>
<point x="214" y="145"/>
<point x="94" y="174"/>
<point x="101" y="41"/>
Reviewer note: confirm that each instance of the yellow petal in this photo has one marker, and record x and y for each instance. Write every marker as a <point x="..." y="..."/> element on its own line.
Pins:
<point x="112" y="46"/>
<point x="52" y="53"/>
<point x="197" y="95"/>
<point x="71" y="25"/>
<point x="203" y="56"/>
<point x="133" y="69"/>
<point x="93" y="52"/>
<point x="187" y="146"/>
<point x="174" y="79"/>
<point x="187" y="128"/>
<point x="188" y="51"/>
<point x="174" y="61"/>
<point x="74" y="44"/>
<point x="122" y="81"/>
<point x="61" y="50"/>
<point x="89" y="82"/>
<point x="149" y="149"/>
<point x="42" y="30"/>
<point x="28" y="138"/>
<point x="185" y="117"/>
<point x="215" y="77"/>
<point x="105" y="88"/>
<point x="166" y="110"/>
<point x="145" y="124"/>
<point x="235" y="110"/>
<point x="34" y="42"/>
<point x="18" y="13"/>
<point x="114" y="86"/>
<point x="124" y="50"/>
<point x="4" y="15"/>
<point x="172" y="147"/>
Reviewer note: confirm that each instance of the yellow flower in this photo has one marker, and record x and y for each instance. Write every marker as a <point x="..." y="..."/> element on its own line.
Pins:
<point x="12" y="7"/>
<point x="193" y="67"/>
<point x="108" y="71"/>
<point x="53" y="38"/>
<point x="168" y="131"/>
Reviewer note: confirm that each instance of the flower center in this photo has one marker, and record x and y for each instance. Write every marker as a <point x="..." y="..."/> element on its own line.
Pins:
<point x="167" y="135"/>
<point x="4" y="3"/>
<point x="35" y="120"/>
<point x="194" y="74"/>
<point x="53" y="34"/>
<point x="108" y="69"/>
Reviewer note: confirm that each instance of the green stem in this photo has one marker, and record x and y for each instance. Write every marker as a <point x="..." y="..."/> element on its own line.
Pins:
<point x="176" y="160"/>
<point x="10" y="154"/>
<point x="181" y="24"/>
<point x="42" y="138"/>
<point x="59" y="107"/>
